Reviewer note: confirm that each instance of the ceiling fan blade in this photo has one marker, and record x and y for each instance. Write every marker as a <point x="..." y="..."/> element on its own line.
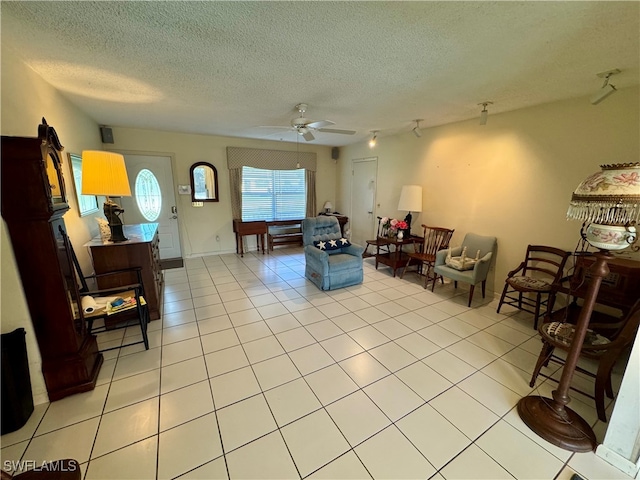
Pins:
<point x="280" y="127"/>
<point x="308" y="136"/>
<point x="320" y="124"/>
<point x="333" y="130"/>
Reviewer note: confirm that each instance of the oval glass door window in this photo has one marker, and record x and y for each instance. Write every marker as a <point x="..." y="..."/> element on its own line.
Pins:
<point x="148" y="195"/>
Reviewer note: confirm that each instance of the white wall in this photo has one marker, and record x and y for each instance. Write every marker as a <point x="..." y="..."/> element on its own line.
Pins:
<point x="26" y="98"/>
<point x="199" y="226"/>
<point x="512" y="178"/>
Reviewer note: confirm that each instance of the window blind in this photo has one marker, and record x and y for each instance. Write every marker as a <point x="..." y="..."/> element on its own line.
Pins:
<point x="273" y="194"/>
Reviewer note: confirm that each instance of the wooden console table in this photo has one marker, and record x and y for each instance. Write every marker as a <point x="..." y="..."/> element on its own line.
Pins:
<point x="395" y="258"/>
<point x="141" y="250"/>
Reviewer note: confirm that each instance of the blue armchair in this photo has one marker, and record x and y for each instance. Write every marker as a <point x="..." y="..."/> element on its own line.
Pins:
<point x="473" y="242"/>
<point x="330" y="269"/>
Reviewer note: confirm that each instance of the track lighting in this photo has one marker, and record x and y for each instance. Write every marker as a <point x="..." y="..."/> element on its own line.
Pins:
<point x="606" y="89"/>
<point x="374" y="139"/>
<point x="484" y="113"/>
<point x="416" y="130"/>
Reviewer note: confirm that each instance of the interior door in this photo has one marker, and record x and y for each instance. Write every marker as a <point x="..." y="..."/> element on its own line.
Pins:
<point x="364" y="180"/>
<point x="160" y="167"/>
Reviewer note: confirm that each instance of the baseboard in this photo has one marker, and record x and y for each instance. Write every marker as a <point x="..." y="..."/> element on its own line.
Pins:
<point x="618" y="461"/>
<point x="167" y="263"/>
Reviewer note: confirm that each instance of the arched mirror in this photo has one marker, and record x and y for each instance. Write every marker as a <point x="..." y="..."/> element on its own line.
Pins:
<point x="204" y="182"/>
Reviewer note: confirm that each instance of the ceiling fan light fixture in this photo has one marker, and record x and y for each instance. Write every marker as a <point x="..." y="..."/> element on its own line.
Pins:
<point x="484" y="114"/>
<point x="606" y="89"/>
<point x="374" y="139"/>
<point x="416" y="130"/>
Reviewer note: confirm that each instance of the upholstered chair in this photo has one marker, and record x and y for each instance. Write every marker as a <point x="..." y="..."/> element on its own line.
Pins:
<point x="330" y="263"/>
<point x="478" y="273"/>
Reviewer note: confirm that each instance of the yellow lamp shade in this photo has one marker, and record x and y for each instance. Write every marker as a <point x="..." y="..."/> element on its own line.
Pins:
<point x="104" y="173"/>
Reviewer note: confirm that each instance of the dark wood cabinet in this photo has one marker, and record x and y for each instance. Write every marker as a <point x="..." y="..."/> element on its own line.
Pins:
<point x="140" y="250"/>
<point x="33" y="206"/>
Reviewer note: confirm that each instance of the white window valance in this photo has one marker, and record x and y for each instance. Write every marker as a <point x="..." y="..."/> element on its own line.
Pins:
<point x="238" y="157"/>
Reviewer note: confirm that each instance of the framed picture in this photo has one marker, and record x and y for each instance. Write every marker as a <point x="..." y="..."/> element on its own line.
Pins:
<point x="86" y="203"/>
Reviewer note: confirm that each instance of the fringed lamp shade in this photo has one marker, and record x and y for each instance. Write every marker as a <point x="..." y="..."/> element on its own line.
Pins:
<point x="608" y="203"/>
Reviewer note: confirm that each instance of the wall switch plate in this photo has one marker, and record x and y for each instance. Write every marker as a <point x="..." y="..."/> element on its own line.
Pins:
<point x="184" y="189"/>
<point x="197" y="204"/>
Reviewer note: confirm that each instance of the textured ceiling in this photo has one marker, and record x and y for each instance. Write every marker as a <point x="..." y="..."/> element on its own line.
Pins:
<point x="226" y="68"/>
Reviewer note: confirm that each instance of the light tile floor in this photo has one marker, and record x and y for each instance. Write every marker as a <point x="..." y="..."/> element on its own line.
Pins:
<point x="255" y="373"/>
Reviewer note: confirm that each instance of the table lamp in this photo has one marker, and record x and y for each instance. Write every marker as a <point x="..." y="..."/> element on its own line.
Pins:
<point x="104" y="173"/>
<point x="608" y="203"/>
<point x="410" y="201"/>
<point x="327" y="207"/>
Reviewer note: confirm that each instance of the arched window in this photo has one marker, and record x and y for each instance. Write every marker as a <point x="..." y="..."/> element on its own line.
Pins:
<point x="148" y="195"/>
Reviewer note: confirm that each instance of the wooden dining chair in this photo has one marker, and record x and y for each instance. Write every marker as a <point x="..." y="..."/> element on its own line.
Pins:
<point x="375" y="243"/>
<point x="435" y="239"/>
<point x="533" y="284"/>
<point x="604" y="347"/>
<point x="105" y="315"/>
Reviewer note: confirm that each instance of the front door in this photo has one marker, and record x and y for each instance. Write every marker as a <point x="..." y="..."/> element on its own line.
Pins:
<point x="364" y="179"/>
<point x="151" y="175"/>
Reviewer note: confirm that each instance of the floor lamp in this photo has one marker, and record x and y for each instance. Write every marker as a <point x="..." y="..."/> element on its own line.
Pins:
<point x="105" y="173"/>
<point x="608" y="204"/>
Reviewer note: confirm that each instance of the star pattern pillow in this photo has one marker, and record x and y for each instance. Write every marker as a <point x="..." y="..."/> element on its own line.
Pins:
<point x="331" y="244"/>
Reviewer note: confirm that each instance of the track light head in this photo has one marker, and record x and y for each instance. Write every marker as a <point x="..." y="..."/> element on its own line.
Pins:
<point x="374" y="139"/>
<point x="484" y="114"/>
<point x="416" y="130"/>
<point x="606" y="89"/>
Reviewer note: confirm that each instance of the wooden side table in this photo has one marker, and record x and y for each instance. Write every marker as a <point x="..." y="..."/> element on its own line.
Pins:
<point x="258" y="228"/>
<point x="395" y="258"/>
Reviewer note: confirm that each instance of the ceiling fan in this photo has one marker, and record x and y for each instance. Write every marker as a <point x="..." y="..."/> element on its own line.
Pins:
<point x="304" y="126"/>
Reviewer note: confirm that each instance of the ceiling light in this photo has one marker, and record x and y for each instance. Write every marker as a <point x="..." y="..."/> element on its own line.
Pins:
<point x="606" y="89"/>
<point x="374" y="139"/>
<point x="416" y="130"/>
<point x="484" y="114"/>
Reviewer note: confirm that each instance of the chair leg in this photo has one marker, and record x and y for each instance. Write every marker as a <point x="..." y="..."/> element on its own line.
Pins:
<point x="519" y="300"/>
<point x="143" y="320"/>
<point x="551" y="301"/>
<point x="435" y="279"/>
<point x="601" y="379"/>
<point x="603" y="383"/>
<point x="543" y="360"/>
<point x="426" y="275"/>
<point x="455" y="284"/>
<point x="536" y="313"/>
<point x="404" y="270"/>
<point x="471" y="289"/>
<point x="484" y="288"/>
<point x="504" y="293"/>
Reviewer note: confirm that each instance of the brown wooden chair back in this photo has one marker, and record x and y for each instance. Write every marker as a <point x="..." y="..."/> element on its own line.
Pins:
<point x="435" y="239"/>
<point x="545" y="261"/>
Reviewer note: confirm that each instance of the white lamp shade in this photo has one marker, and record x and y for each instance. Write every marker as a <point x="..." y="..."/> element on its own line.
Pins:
<point x="328" y="206"/>
<point x="104" y="173"/>
<point x="410" y="198"/>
